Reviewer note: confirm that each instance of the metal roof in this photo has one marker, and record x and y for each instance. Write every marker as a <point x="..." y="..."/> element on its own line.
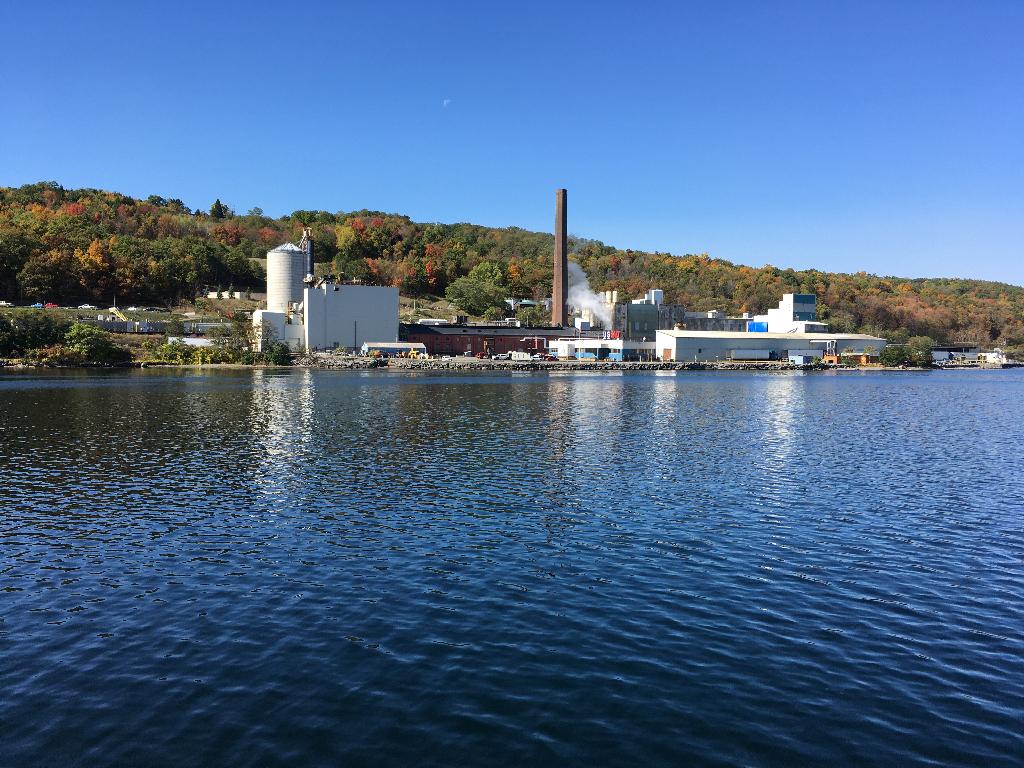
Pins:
<point x="752" y="335"/>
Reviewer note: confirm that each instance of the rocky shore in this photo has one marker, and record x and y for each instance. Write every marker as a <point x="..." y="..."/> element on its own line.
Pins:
<point x="340" y="362"/>
<point x="328" y="360"/>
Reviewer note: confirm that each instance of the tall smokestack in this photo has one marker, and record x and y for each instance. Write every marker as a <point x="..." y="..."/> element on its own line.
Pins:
<point x="307" y="236"/>
<point x="560" y="284"/>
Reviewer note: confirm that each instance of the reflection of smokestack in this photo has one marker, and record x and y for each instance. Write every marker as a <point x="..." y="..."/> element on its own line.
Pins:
<point x="560" y="284"/>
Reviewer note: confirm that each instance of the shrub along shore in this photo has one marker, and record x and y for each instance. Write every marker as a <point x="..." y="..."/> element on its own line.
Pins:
<point x="47" y="339"/>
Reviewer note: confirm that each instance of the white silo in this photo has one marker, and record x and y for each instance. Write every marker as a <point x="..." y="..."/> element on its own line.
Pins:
<point x="286" y="267"/>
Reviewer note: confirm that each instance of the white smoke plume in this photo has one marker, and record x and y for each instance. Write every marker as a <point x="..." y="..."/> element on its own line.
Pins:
<point x="581" y="297"/>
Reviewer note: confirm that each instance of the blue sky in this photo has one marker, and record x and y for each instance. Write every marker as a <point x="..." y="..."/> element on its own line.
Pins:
<point x="880" y="136"/>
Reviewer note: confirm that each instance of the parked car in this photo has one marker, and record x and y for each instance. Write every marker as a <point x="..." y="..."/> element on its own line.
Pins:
<point x="543" y="356"/>
<point x="51" y="305"/>
<point x="37" y="305"/>
<point x="501" y="356"/>
<point x="446" y="357"/>
<point x="152" y="309"/>
<point x="6" y="304"/>
<point x="132" y="309"/>
<point x="87" y="306"/>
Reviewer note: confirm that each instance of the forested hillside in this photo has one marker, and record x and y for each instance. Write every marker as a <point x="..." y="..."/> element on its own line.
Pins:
<point x="90" y="245"/>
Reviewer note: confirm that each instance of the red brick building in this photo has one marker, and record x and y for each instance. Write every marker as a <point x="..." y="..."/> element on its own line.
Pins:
<point x="458" y="340"/>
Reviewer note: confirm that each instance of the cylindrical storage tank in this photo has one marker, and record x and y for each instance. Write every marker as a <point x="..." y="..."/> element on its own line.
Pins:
<point x="286" y="267"/>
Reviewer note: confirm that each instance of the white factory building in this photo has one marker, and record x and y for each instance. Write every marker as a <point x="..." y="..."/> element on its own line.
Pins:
<point x="707" y="346"/>
<point x="597" y="349"/>
<point x="321" y="314"/>
<point x="796" y="313"/>
<point x="790" y="331"/>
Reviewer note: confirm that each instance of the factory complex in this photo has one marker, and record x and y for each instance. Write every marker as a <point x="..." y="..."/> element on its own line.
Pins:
<point x="309" y="314"/>
<point x="799" y="348"/>
<point x="322" y="314"/>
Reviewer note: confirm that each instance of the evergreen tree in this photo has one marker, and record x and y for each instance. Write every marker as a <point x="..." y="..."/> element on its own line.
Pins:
<point x="217" y="209"/>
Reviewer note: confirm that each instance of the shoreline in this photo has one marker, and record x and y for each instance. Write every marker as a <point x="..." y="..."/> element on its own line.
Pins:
<point x="328" y="361"/>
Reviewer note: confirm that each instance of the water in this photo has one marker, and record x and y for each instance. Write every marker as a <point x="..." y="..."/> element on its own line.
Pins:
<point x="259" y="568"/>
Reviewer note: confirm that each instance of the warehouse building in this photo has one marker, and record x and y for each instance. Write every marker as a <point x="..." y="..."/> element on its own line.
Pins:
<point x="963" y="352"/>
<point x="709" y="346"/>
<point x="460" y="339"/>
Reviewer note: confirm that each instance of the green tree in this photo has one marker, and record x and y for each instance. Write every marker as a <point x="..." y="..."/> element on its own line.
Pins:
<point x="278" y="354"/>
<point x="16" y="247"/>
<point x="921" y="348"/>
<point x="50" y="276"/>
<point x="896" y="355"/>
<point x="25" y="330"/>
<point x="532" y="316"/>
<point x="94" y="344"/>
<point x="481" y="290"/>
<point x="236" y="341"/>
<point x="217" y="209"/>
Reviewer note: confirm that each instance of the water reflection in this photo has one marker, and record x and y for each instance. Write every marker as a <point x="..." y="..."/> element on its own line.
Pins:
<point x="352" y="568"/>
<point x="784" y="413"/>
<point x="282" y="421"/>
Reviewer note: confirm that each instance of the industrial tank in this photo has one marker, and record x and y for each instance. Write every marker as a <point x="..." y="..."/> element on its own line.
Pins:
<point x="286" y="267"/>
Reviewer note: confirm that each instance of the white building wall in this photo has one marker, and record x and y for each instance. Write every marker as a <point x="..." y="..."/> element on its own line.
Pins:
<point x="712" y="348"/>
<point x="579" y="345"/>
<point x="269" y="327"/>
<point x="349" y="315"/>
<point x="275" y="326"/>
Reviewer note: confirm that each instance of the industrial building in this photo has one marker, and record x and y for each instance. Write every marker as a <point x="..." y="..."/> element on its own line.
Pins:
<point x="708" y="346"/>
<point x="597" y="349"/>
<point x="790" y="331"/>
<point x="796" y="313"/>
<point x="955" y="352"/>
<point x="440" y="338"/>
<point x="321" y="314"/>
<point x="641" y="318"/>
<point x="715" y="320"/>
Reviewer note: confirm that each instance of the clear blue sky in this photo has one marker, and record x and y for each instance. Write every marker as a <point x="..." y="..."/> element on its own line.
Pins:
<point x="885" y="136"/>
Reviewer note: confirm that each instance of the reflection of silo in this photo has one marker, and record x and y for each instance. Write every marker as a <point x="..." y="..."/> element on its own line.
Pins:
<point x="286" y="266"/>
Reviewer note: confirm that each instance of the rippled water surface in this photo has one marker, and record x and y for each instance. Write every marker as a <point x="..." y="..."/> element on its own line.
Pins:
<point x="258" y="568"/>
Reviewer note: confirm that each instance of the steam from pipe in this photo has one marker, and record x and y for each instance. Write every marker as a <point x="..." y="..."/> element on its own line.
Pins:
<point x="582" y="297"/>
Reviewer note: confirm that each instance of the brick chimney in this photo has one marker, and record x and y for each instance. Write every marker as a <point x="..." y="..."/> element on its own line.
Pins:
<point x="560" y="284"/>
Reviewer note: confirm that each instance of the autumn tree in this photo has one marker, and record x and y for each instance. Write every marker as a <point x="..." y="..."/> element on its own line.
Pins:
<point x="481" y="290"/>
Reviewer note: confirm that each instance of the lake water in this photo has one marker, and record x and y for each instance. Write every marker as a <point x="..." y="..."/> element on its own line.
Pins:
<point x="292" y="567"/>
